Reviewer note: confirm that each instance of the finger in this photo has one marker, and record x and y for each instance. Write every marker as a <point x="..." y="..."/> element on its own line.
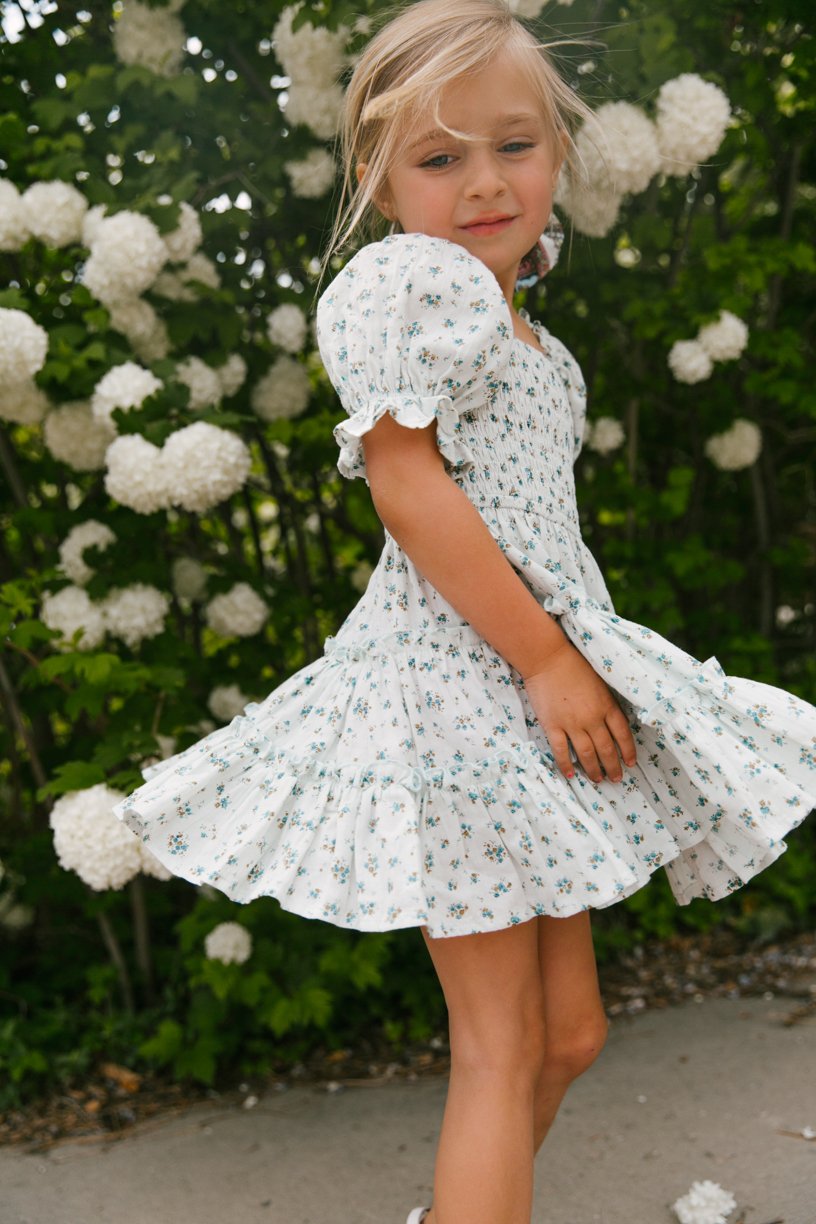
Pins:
<point x="607" y="751"/>
<point x="560" y="750"/>
<point x="585" y="748"/>
<point x="619" y="726"/>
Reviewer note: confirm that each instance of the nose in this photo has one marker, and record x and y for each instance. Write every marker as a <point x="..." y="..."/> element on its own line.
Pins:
<point x="485" y="178"/>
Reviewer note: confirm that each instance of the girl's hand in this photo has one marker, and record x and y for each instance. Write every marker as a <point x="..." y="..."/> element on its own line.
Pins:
<point x="572" y="702"/>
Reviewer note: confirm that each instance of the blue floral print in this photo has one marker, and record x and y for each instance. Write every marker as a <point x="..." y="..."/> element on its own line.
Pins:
<point x="401" y="778"/>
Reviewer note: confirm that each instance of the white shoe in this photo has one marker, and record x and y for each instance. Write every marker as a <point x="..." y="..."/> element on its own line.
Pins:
<point x="417" y="1215"/>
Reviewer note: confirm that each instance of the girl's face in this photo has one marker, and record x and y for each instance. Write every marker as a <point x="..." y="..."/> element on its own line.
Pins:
<point x="454" y="189"/>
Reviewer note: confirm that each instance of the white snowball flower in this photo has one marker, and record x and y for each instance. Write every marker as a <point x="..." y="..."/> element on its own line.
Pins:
<point x="23" y="402"/>
<point x="785" y="615"/>
<point x="286" y="326"/>
<point x="592" y="212"/>
<point x="170" y="285"/>
<point x="23" y="346"/>
<point x="204" y="465"/>
<point x="124" y="386"/>
<point x="14" y="232"/>
<point x="203" y="381"/>
<point x="283" y="391"/>
<point x="725" y="339"/>
<point x="705" y="1203"/>
<point x="528" y="8"/>
<point x="135" y="612"/>
<point x="189" y="578"/>
<point x="626" y="257"/>
<point x="689" y="362"/>
<point x="75" y="436"/>
<point x="54" y="212"/>
<point x="153" y="37"/>
<point x="605" y="435"/>
<point x="201" y="268"/>
<point x="175" y="286"/>
<point x="318" y="107"/>
<point x="735" y="448"/>
<point x="184" y="240"/>
<point x="618" y="149"/>
<point x="84" y="535"/>
<point x="312" y="53"/>
<point x="91" y="840"/>
<point x="239" y="612"/>
<point x="71" y="609"/>
<point x="313" y="176"/>
<point x="229" y="942"/>
<point x="151" y="865"/>
<point x="90" y="223"/>
<point x="692" y="116"/>
<point x="225" y="701"/>
<point x="146" y="331"/>
<point x="232" y="374"/>
<point x="127" y="254"/>
<point x="136" y="477"/>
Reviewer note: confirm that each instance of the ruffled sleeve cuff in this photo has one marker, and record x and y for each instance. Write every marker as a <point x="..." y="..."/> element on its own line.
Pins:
<point x="411" y="411"/>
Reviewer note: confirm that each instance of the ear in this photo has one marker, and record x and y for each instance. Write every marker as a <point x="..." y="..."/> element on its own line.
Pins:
<point x="382" y="201"/>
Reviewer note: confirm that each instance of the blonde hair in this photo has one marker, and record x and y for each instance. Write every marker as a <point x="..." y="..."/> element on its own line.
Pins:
<point x="404" y="68"/>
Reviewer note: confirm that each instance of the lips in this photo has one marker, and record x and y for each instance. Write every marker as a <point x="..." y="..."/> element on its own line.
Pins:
<point x="488" y="220"/>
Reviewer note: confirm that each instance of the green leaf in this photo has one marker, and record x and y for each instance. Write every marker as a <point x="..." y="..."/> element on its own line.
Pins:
<point x="71" y="776"/>
<point x="97" y="88"/>
<point x="51" y="113"/>
<point x="165" y="1044"/>
<point x="197" y="1061"/>
<point x="13" y="135"/>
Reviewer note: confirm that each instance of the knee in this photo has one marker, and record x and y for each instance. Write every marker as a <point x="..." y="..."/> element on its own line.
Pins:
<point x="515" y="1051"/>
<point x="573" y="1053"/>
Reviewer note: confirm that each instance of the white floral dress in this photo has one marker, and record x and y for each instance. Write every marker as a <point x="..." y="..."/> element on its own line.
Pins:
<point x="401" y="778"/>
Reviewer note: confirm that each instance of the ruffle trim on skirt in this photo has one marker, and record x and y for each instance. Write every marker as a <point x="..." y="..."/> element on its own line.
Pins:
<point x="726" y="768"/>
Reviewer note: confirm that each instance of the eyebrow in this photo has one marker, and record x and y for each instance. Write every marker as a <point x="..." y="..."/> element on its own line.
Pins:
<point x="507" y="121"/>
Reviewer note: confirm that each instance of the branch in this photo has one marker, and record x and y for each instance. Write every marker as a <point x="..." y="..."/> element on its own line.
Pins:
<point x="115" y="953"/>
<point x="141" y="931"/>
<point x="35" y="662"/>
<point x="324" y="535"/>
<point x="16" y="719"/>
<point x="256" y="531"/>
<point x="12" y="475"/>
<point x="679" y="252"/>
<point x="261" y="87"/>
<point x="785" y="230"/>
<point x="766" y="599"/>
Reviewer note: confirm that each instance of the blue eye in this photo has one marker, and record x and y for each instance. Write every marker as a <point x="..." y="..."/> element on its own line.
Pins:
<point x="442" y="160"/>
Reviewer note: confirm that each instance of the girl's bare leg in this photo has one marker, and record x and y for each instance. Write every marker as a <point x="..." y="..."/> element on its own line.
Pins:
<point x="525" y="1019"/>
<point x="574" y="1019"/>
<point x="492" y="987"/>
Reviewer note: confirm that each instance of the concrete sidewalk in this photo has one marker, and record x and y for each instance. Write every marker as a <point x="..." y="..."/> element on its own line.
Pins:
<point x="703" y="1090"/>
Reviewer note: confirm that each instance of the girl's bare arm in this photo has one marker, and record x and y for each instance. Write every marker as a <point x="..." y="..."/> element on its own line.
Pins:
<point x="443" y="533"/>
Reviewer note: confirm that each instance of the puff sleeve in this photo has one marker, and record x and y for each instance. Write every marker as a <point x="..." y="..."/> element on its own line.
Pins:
<point x="418" y="327"/>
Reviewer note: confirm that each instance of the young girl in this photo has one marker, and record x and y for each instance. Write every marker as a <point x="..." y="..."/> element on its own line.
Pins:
<point x="485" y="749"/>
